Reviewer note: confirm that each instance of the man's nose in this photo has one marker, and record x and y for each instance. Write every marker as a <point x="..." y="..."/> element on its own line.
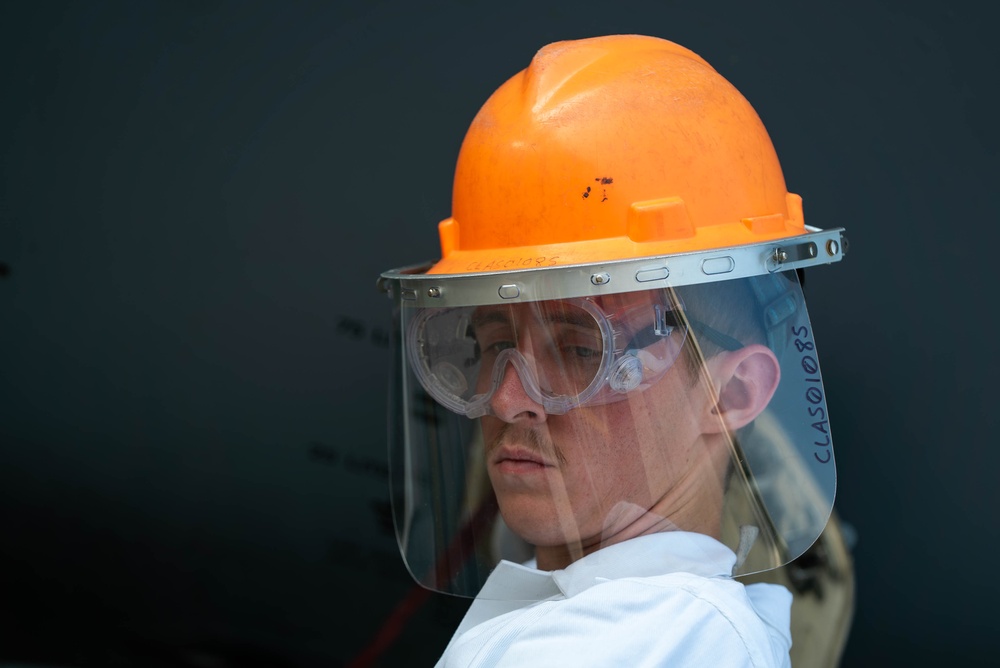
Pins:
<point x="511" y="403"/>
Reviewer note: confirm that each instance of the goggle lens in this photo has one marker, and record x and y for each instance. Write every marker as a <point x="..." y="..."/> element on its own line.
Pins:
<point x="565" y="351"/>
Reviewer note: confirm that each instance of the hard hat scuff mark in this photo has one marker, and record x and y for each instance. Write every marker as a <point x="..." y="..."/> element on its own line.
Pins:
<point x="603" y="180"/>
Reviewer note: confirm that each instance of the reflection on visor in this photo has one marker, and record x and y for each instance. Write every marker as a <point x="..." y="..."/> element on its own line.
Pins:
<point x="566" y="352"/>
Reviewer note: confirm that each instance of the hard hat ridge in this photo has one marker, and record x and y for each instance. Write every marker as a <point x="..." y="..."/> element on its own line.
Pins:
<point x="609" y="148"/>
<point x="551" y="73"/>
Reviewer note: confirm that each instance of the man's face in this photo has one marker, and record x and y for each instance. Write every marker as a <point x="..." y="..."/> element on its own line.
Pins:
<point x="589" y="476"/>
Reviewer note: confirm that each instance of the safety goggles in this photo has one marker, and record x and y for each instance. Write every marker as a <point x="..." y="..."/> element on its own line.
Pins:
<point x="566" y="352"/>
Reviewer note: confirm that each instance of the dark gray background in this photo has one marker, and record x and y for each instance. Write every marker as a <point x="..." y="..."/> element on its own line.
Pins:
<point x="197" y="197"/>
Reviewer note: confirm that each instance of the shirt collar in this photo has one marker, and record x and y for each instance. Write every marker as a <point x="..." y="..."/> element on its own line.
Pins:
<point x="512" y="586"/>
<point x="646" y="556"/>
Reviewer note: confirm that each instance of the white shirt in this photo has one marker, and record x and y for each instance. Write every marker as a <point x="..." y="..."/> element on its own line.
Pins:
<point x="665" y="599"/>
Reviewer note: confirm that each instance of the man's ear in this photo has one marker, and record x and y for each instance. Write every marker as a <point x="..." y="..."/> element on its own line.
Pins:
<point x="746" y="380"/>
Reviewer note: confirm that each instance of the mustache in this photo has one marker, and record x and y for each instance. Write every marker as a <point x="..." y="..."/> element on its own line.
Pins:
<point x="536" y="440"/>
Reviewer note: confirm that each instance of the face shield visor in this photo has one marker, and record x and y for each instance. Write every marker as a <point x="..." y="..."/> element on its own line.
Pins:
<point x="547" y="410"/>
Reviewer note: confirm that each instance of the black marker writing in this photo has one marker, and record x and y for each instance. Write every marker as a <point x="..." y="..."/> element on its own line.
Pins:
<point x="814" y="394"/>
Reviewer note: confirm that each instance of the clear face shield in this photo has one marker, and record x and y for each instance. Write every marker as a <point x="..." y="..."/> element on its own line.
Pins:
<point x="544" y="414"/>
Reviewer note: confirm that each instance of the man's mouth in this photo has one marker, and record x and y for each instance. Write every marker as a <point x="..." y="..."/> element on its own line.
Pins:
<point x="519" y="460"/>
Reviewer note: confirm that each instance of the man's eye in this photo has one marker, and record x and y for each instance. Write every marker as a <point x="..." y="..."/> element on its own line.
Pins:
<point x="582" y="352"/>
<point x="497" y="346"/>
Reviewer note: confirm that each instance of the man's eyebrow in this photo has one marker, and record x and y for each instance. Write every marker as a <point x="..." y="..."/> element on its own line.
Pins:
<point x="575" y="317"/>
<point x="490" y="316"/>
<point x="502" y="315"/>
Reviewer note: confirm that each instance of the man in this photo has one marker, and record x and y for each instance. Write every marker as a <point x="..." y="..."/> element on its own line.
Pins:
<point x="614" y="353"/>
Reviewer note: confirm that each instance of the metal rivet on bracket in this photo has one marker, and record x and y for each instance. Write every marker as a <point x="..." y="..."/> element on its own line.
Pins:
<point x="509" y="291"/>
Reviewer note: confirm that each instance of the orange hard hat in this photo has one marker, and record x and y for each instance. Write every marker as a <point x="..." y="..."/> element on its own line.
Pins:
<point x="611" y="148"/>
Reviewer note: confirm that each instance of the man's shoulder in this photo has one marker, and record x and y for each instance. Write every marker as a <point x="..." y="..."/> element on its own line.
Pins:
<point x="717" y="619"/>
<point x="680" y="618"/>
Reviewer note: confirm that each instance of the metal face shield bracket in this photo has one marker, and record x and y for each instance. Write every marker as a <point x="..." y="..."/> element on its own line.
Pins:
<point x="415" y="288"/>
